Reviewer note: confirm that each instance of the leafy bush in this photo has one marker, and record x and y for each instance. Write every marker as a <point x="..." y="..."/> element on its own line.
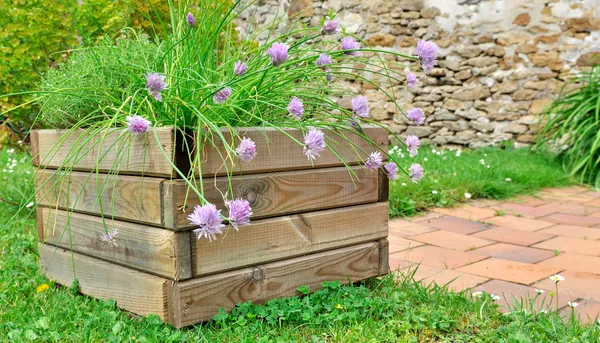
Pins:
<point x="37" y="34"/>
<point x="573" y="123"/>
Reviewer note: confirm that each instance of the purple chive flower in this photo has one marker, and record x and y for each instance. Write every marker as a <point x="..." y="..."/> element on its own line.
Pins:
<point x="374" y="161"/>
<point x="137" y="124"/>
<point x="239" y="212"/>
<point x="190" y="19"/>
<point x="329" y="77"/>
<point x="278" y="53"/>
<point x="246" y="150"/>
<point x="330" y="27"/>
<point x="110" y="237"/>
<point x="348" y="43"/>
<point x="360" y="106"/>
<point x="391" y="170"/>
<point x="427" y="52"/>
<point x="222" y="96"/>
<point x="412" y="143"/>
<point x="323" y="61"/>
<point x="208" y="220"/>
<point x="240" y="68"/>
<point x="314" y="143"/>
<point x="296" y="108"/>
<point x="415" y="172"/>
<point x="156" y="84"/>
<point x="411" y="80"/>
<point x="416" y="115"/>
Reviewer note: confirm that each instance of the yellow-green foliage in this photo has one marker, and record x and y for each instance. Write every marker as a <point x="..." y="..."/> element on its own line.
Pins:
<point x="36" y="34"/>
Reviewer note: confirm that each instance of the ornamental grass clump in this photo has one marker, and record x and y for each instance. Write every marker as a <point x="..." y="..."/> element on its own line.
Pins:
<point x="202" y="79"/>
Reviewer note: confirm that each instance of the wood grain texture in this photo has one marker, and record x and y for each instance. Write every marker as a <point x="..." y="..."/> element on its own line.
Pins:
<point x="137" y="154"/>
<point x="277" y="194"/>
<point x="129" y="198"/>
<point x="384" y="257"/>
<point x="133" y="291"/>
<point x="118" y="150"/>
<point x="276" y="151"/>
<point x="197" y="300"/>
<point x="289" y="236"/>
<point x="157" y="251"/>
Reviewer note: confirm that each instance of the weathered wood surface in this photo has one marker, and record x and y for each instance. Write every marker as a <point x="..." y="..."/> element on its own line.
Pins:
<point x="117" y="150"/>
<point x="130" y="198"/>
<point x="137" y="154"/>
<point x="277" y="194"/>
<point x="384" y="257"/>
<point x="158" y="251"/>
<point x="160" y="202"/>
<point x="134" y="291"/>
<point x="199" y="299"/>
<point x="284" y="237"/>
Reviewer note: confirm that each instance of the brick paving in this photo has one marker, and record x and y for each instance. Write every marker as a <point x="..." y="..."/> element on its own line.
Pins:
<point x="510" y="248"/>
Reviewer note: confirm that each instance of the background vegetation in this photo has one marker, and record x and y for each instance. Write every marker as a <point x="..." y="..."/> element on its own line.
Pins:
<point x="572" y="126"/>
<point x="35" y="35"/>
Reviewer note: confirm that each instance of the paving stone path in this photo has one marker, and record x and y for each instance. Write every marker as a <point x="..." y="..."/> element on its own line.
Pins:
<point x="510" y="248"/>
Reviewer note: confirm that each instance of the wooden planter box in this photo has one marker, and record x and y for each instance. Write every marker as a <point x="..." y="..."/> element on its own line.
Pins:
<point x="311" y="223"/>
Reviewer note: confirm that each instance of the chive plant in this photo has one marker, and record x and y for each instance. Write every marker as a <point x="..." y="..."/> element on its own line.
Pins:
<point x="203" y="78"/>
<point x="572" y="122"/>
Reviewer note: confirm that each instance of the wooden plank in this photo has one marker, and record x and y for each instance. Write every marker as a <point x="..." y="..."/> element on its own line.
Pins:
<point x="117" y="151"/>
<point x="123" y="197"/>
<point x="289" y="236"/>
<point x="384" y="257"/>
<point x="133" y="291"/>
<point x="277" y="194"/>
<point x="137" y="154"/>
<point x="157" y="251"/>
<point x="197" y="300"/>
<point x="276" y="151"/>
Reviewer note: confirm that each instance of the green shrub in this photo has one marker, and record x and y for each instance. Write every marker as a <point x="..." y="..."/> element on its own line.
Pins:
<point x="37" y="34"/>
<point x="572" y="122"/>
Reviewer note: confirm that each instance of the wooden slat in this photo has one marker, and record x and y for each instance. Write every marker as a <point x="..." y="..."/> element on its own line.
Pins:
<point x="160" y="202"/>
<point x="277" y="194"/>
<point x="131" y="198"/>
<point x="134" y="291"/>
<point x="384" y="257"/>
<point x="197" y="300"/>
<point x="158" y="251"/>
<point x="117" y="151"/>
<point x="284" y="237"/>
<point x="137" y="154"/>
<point x="276" y="151"/>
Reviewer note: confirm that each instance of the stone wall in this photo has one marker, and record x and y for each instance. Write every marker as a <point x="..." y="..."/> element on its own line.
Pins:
<point x="501" y="61"/>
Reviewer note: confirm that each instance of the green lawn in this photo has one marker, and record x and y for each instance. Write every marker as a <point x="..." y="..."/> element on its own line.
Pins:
<point x="491" y="173"/>
<point x="379" y="310"/>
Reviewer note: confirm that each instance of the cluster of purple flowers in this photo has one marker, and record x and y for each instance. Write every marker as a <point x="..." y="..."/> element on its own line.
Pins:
<point x="209" y="221"/>
<point x="207" y="218"/>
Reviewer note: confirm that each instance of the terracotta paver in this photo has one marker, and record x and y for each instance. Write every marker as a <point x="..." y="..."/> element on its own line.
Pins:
<point x="519" y="223"/>
<point x="529" y="200"/>
<point x="580" y="232"/>
<point x="457" y="225"/>
<point x="418" y="271"/>
<point x="397" y="243"/>
<point x="519" y="237"/>
<point x="525" y="211"/>
<point x="513" y="295"/>
<point x="485" y="203"/>
<point x="574" y="262"/>
<point x="570" y="244"/>
<point x="456" y="281"/>
<point x="514" y="253"/>
<point x="406" y="228"/>
<point x="467" y="212"/>
<point x="576" y="285"/>
<point x="568" y="208"/>
<point x="438" y="257"/>
<point x="595" y="202"/>
<point x="451" y="240"/>
<point x="425" y="217"/>
<point x="519" y="272"/>
<point x="571" y="219"/>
